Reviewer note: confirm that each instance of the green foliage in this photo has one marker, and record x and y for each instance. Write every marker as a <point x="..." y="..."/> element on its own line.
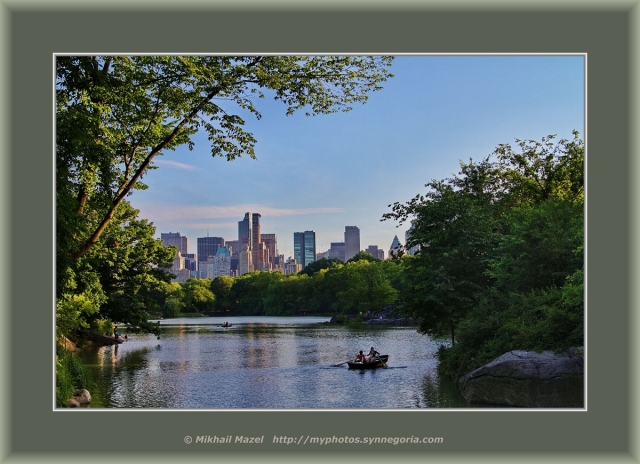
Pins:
<point x="197" y="296"/>
<point x="501" y="254"/>
<point x="70" y="376"/>
<point x="316" y="266"/>
<point x="221" y="286"/>
<point x="363" y="256"/>
<point x="173" y="306"/>
<point x="366" y="287"/>
<point x="356" y="287"/>
<point x="115" y="114"/>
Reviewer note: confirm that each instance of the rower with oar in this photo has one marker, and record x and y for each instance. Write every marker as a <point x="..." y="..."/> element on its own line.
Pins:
<point x="375" y="356"/>
<point x="360" y="357"/>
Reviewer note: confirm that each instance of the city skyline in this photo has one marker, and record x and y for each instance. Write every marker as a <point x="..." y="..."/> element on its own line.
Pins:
<point x="327" y="172"/>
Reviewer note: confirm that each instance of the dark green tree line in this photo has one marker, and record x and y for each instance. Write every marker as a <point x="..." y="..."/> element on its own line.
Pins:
<point x="501" y="260"/>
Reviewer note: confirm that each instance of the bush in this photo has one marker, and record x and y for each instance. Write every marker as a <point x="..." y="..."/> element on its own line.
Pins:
<point x="71" y="375"/>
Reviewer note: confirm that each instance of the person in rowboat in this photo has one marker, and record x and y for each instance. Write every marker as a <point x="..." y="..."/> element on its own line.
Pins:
<point x="373" y="354"/>
<point x="361" y="357"/>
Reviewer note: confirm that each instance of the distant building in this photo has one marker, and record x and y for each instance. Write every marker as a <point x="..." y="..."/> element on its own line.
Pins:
<point x="278" y="264"/>
<point x="271" y="244"/>
<point x="407" y="235"/>
<point x="258" y="255"/>
<point x="292" y="267"/>
<point x="319" y="256"/>
<point x="190" y="261"/>
<point x="380" y="254"/>
<point x="244" y="230"/>
<point x="175" y="239"/>
<point x="372" y="250"/>
<point x="208" y="246"/>
<point x="395" y="247"/>
<point x="233" y="246"/>
<point x="337" y="251"/>
<point x="206" y="268"/>
<point x="351" y="242"/>
<point x="244" y="260"/>
<point x="304" y="247"/>
<point x="222" y="263"/>
<point x="181" y="264"/>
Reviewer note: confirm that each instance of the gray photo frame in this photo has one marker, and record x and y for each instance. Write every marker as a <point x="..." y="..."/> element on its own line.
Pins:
<point x="33" y="31"/>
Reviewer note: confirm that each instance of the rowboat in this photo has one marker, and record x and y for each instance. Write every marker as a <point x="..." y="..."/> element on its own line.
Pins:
<point x="380" y="361"/>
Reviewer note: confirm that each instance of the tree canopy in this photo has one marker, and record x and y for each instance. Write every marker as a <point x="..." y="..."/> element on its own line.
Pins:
<point x="500" y="264"/>
<point x="116" y="114"/>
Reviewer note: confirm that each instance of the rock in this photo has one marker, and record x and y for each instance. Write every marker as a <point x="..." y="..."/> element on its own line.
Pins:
<point x="82" y="397"/>
<point x="528" y="379"/>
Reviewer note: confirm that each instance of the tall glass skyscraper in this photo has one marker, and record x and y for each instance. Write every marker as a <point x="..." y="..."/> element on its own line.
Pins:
<point x="304" y="247"/>
<point x="244" y="230"/>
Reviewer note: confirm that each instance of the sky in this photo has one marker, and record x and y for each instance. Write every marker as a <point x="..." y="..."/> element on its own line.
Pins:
<point x="326" y="172"/>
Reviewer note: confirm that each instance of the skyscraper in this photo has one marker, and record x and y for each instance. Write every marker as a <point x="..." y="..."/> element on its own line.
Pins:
<point x="222" y="263"/>
<point x="175" y="239"/>
<point x="351" y="242"/>
<point x="208" y="246"/>
<point x="372" y="250"/>
<point x="304" y="247"/>
<point x="179" y="263"/>
<point x="244" y="230"/>
<point x="271" y="244"/>
<point x="244" y="260"/>
<point x="257" y="255"/>
<point x="407" y="236"/>
<point x="395" y="248"/>
<point x="337" y="251"/>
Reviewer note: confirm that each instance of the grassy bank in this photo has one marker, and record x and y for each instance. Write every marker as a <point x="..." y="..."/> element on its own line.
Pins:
<point x="70" y="376"/>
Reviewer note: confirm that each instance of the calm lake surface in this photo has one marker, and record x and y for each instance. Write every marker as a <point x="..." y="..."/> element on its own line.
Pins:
<point x="268" y="363"/>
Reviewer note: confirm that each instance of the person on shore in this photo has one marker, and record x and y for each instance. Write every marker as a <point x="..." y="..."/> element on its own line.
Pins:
<point x="115" y="332"/>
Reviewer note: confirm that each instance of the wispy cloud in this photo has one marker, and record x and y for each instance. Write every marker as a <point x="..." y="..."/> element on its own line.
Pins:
<point x="170" y="213"/>
<point x="175" y="164"/>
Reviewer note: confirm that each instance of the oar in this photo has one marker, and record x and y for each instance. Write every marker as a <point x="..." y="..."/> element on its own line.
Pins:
<point x="383" y="364"/>
<point x="336" y="365"/>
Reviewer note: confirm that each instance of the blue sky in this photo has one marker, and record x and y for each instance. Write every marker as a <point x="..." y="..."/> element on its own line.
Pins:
<point x="326" y="172"/>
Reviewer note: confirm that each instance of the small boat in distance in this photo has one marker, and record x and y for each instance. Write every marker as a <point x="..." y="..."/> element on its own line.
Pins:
<point x="226" y="324"/>
<point x="380" y="361"/>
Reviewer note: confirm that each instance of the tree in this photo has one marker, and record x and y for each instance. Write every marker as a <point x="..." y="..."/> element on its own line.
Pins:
<point x="221" y="287"/>
<point x="515" y="220"/>
<point x="118" y="279"/>
<point x="366" y="287"/>
<point x="323" y="263"/>
<point x="197" y="295"/>
<point x="115" y="114"/>
<point x="363" y="256"/>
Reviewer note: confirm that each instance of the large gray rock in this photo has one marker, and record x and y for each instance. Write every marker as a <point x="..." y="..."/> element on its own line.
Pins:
<point x="528" y="379"/>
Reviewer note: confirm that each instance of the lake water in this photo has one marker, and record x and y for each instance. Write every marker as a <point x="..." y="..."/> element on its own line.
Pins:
<point x="268" y="363"/>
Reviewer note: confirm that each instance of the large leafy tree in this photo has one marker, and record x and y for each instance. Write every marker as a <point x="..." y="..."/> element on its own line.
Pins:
<point x="119" y="279"/>
<point x="116" y="114"/>
<point x="509" y="223"/>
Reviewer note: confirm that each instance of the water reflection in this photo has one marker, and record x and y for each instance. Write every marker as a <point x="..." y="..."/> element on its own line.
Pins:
<point x="262" y="366"/>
